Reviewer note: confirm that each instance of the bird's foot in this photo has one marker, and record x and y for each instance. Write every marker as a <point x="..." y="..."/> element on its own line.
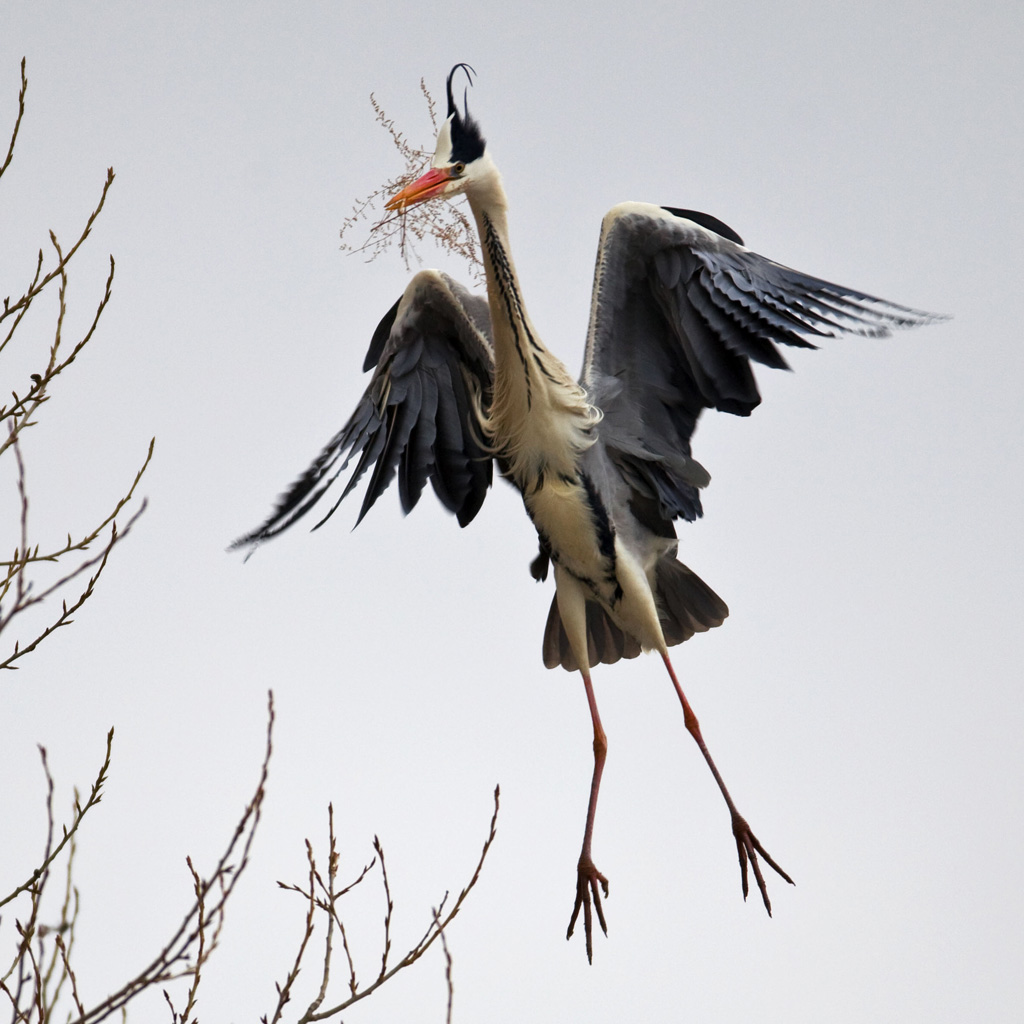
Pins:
<point x="590" y="883"/>
<point x="748" y="847"/>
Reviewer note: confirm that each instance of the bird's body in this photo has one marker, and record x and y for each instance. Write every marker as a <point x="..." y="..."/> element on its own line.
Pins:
<point x="546" y="433"/>
<point x="603" y="464"/>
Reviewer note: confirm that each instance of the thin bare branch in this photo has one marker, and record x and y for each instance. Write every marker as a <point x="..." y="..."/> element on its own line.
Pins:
<point x="284" y="991"/>
<point x="39" y="280"/>
<point x="26" y="557"/>
<point x="329" y="892"/>
<point x="17" y="120"/>
<point x="390" y="909"/>
<point x="65" y="960"/>
<point x="178" y="956"/>
<point x="19" y="592"/>
<point x="50" y="855"/>
<point x="447" y="965"/>
<point x="19" y="414"/>
<point x="201" y="951"/>
<point x="25" y="599"/>
<point x="66" y="926"/>
<point x="437" y="926"/>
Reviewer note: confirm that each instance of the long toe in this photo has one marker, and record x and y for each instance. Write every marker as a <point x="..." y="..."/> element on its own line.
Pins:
<point x="747" y="848"/>
<point x="590" y="884"/>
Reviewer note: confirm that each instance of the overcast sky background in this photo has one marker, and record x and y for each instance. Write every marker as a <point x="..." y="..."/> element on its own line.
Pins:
<point x="864" y="699"/>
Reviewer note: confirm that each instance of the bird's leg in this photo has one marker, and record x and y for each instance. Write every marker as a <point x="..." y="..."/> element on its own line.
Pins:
<point x="589" y="881"/>
<point x="747" y="844"/>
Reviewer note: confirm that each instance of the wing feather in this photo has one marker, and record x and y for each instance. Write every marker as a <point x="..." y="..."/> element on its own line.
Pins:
<point x="433" y="369"/>
<point x="680" y="309"/>
<point x="418" y="462"/>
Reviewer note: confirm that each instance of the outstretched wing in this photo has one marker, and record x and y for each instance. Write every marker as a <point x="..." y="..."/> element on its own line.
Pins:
<point x="680" y="309"/>
<point x="433" y="366"/>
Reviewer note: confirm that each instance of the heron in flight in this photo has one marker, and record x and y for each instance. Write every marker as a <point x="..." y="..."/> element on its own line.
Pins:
<point x="603" y="463"/>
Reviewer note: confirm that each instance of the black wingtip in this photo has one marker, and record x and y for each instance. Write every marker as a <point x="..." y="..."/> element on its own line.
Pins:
<point x="705" y="220"/>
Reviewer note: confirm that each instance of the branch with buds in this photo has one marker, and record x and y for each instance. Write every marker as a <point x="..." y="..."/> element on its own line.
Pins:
<point x="322" y="898"/>
<point x="20" y="585"/>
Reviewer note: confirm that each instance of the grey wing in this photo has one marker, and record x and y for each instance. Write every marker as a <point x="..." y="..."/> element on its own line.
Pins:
<point x="680" y="309"/>
<point x="418" y="418"/>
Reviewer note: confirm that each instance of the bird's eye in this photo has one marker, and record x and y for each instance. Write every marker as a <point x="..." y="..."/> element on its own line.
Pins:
<point x="458" y="170"/>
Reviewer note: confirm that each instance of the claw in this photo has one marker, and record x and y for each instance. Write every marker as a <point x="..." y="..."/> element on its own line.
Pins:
<point x="590" y="883"/>
<point x="748" y="847"/>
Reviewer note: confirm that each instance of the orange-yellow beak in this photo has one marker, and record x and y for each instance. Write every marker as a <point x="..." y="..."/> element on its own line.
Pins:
<point x="424" y="187"/>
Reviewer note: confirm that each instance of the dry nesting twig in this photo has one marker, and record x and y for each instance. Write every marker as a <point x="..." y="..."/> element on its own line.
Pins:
<point x="446" y="224"/>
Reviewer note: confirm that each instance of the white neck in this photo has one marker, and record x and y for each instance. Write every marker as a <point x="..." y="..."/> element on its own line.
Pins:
<point x="539" y="415"/>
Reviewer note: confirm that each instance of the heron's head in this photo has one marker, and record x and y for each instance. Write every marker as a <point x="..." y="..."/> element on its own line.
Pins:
<point x="460" y="157"/>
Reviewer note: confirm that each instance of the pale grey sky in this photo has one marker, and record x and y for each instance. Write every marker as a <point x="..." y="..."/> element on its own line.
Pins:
<point x="864" y="698"/>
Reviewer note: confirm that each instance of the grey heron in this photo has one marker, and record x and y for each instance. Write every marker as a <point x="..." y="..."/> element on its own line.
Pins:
<point x="604" y="465"/>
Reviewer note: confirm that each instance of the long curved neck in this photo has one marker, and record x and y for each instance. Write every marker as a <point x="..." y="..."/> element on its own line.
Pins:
<point x="539" y="415"/>
<point x="516" y="345"/>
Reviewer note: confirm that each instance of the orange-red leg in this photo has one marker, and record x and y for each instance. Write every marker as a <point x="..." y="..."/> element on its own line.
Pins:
<point x="590" y="883"/>
<point x="747" y="844"/>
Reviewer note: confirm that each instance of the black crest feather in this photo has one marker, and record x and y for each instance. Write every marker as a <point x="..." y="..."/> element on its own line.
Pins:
<point x="467" y="141"/>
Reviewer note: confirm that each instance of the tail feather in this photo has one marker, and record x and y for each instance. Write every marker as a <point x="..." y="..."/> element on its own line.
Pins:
<point x="606" y="643"/>
<point x="686" y="605"/>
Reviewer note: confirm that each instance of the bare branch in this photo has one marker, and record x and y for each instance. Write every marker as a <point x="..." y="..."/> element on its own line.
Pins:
<point x="29" y="984"/>
<point x="50" y="855"/>
<point x="447" y="965"/>
<point x="38" y="283"/>
<point x="390" y="909"/>
<point x="329" y="905"/>
<point x="181" y="955"/>
<point x="19" y="593"/>
<point x="33" y="991"/>
<point x="66" y="926"/>
<point x="25" y="555"/>
<point x="59" y="942"/>
<point x="284" y="992"/>
<point x="332" y="875"/>
<point x="17" y="120"/>
<point x="19" y="414"/>
<point x="201" y="951"/>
